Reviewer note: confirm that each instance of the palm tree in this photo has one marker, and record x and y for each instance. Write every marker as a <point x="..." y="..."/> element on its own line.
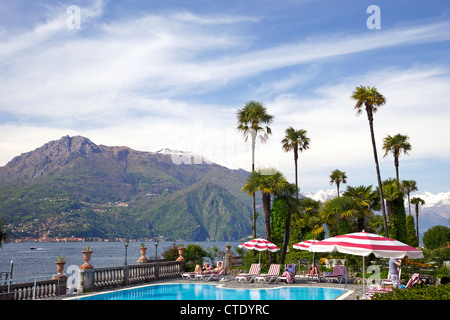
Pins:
<point x="295" y="140"/>
<point x="251" y="120"/>
<point x="409" y="186"/>
<point x="302" y="226"/>
<point x="337" y="177"/>
<point x="396" y="145"/>
<point x="334" y="213"/>
<point x="269" y="181"/>
<point x="391" y="191"/>
<point x="417" y="201"/>
<point x="372" y="100"/>
<point x="364" y="202"/>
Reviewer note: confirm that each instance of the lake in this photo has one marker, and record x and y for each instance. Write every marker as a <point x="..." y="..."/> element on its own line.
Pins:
<point x="41" y="260"/>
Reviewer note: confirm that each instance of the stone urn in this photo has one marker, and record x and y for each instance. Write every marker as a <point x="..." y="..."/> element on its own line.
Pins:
<point x="142" y="259"/>
<point x="60" y="268"/>
<point x="86" y="257"/>
<point x="180" y="252"/>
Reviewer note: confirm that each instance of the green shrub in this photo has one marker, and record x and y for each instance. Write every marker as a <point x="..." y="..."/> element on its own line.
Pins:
<point x="170" y="254"/>
<point x="440" y="292"/>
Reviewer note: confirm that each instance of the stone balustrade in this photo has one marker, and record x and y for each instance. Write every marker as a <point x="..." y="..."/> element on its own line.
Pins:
<point x="39" y="289"/>
<point x="109" y="277"/>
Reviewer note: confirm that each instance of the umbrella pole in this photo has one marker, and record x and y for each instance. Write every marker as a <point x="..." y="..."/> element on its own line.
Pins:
<point x="346" y="274"/>
<point x="364" y="276"/>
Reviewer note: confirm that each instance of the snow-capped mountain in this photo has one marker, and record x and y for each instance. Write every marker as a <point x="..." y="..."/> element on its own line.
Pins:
<point x="431" y="200"/>
<point x="189" y="157"/>
<point x="435" y="211"/>
<point x="321" y="195"/>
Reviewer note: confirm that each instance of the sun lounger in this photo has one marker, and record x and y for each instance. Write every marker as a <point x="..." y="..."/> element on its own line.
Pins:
<point x="212" y="276"/>
<point x="289" y="273"/>
<point x="313" y="276"/>
<point x="272" y="274"/>
<point x="412" y="281"/>
<point x="188" y="275"/>
<point x="250" y="276"/>
<point x="339" y="272"/>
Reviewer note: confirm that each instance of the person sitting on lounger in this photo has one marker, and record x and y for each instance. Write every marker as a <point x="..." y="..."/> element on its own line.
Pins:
<point x="289" y="273"/>
<point x="198" y="269"/>
<point x="314" y="270"/>
<point x="207" y="266"/>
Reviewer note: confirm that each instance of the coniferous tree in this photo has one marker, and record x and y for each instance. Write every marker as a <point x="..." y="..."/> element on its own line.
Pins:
<point x="411" y="232"/>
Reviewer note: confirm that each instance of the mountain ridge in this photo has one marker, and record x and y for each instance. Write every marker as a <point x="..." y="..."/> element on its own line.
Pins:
<point x="89" y="177"/>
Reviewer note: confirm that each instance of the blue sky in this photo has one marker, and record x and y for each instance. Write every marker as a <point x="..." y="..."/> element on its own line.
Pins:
<point x="154" y="74"/>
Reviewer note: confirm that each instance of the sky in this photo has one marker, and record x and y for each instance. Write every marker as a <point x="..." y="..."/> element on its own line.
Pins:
<point x="172" y="74"/>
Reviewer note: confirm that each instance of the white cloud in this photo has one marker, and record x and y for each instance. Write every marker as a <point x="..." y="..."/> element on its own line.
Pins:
<point x="133" y="82"/>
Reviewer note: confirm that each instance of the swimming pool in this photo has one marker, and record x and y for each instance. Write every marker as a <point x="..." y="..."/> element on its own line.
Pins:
<point x="214" y="292"/>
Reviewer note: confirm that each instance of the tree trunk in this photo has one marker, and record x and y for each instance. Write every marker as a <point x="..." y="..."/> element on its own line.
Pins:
<point x="389" y="209"/>
<point x="360" y="223"/>
<point x="253" y="195"/>
<point x="296" y="173"/>
<point x="409" y="203"/>
<point x="380" y="186"/>
<point x="266" y="204"/>
<point x="396" y="169"/>
<point x="417" y="221"/>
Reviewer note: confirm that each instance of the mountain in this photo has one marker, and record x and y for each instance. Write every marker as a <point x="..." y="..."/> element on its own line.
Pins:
<point x="321" y="195"/>
<point x="74" y="187"/>
<point x="435" y="211"/>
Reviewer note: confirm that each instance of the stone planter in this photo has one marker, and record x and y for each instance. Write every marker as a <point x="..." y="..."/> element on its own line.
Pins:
<point x="142" y="259"/>
<point x="86" y="258"/>
<point x="60" y="269"/>
<point x="180" y="252"/>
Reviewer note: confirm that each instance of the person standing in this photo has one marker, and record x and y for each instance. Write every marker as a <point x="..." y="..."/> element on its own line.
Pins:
<point x="394" y="266"/>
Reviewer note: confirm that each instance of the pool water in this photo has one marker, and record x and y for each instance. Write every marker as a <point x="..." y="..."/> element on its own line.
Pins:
<point x="213" y="292"/>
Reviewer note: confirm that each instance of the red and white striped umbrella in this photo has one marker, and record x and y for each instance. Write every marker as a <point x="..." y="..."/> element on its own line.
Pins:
<point x="364" y="243"/>
<point x="304" y="245"/>
<point x="259" y="244"/>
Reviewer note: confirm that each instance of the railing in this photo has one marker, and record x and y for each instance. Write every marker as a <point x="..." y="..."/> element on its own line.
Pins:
<point x="32" y="288"/>
<point x="110" y="277"/>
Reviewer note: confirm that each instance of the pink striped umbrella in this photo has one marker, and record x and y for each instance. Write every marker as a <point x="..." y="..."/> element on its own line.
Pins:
<point x="259" y="244"/>
<point x="363" y="244"/>
<point x="304" y="245"/>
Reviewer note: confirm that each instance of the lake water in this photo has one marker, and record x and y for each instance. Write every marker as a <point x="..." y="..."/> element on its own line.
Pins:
<point x="41" y="260"/>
